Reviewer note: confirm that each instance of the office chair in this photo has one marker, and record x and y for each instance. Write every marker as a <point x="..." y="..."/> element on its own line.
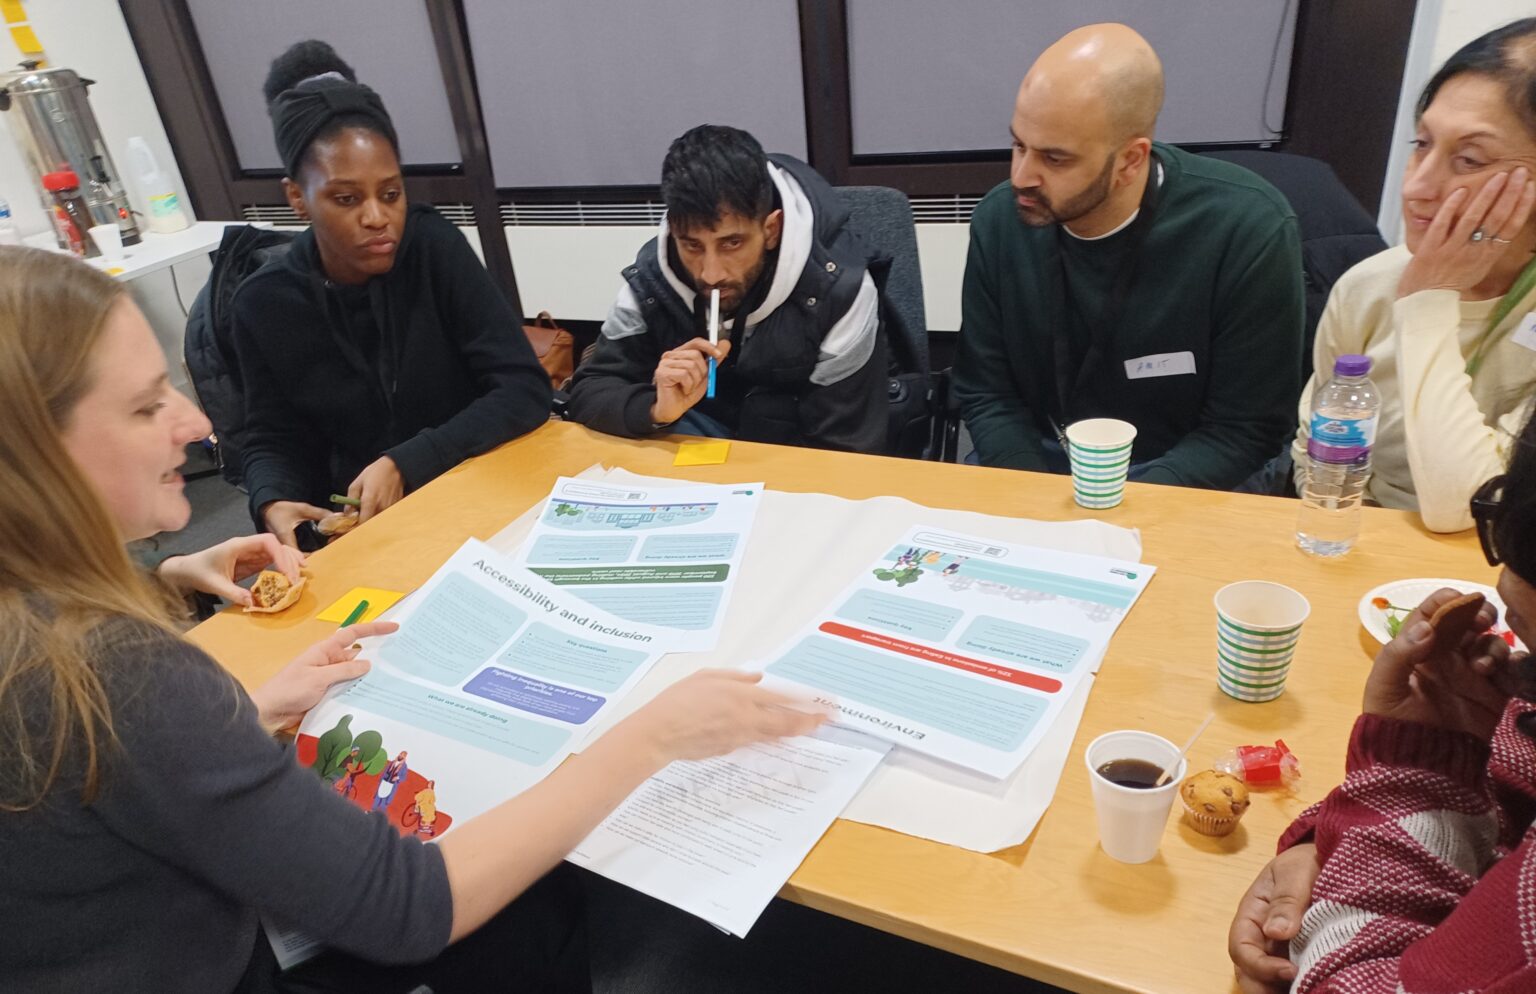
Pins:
<point x="882" y="217"/>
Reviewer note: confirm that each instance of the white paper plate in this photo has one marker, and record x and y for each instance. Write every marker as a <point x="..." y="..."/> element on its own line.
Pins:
<point x="1408" y="593"/>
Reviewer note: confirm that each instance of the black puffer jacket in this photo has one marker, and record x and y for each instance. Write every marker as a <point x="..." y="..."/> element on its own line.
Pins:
<point x="209" y="347"/>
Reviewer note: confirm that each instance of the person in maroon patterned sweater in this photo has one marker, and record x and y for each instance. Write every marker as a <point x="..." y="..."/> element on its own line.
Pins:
<point x="1418" y="874"/>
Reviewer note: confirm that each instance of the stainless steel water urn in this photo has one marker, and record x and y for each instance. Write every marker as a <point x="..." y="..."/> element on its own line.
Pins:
<point x="49" y="112"/>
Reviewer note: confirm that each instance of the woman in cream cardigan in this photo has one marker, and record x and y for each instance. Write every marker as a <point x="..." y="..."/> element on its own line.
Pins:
<point x="1447" y="318"/>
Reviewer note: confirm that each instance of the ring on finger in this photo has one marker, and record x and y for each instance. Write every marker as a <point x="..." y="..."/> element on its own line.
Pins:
<point x="1478" y="235"/>
<point x="1499" y="241"/>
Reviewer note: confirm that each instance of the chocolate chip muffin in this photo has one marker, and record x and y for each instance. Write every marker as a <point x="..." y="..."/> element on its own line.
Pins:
<point x="1213" y="802"/>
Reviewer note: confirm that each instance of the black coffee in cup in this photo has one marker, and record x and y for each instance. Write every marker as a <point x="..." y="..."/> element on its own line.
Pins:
<point x="1135" y="773"/>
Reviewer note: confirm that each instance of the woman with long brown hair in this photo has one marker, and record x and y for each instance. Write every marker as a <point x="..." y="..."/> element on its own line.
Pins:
<point x="147" y="817"/>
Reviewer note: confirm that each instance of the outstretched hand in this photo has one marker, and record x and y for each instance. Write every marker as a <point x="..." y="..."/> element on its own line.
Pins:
<point x="283" y="701"/>
<point x="715" y="711"/>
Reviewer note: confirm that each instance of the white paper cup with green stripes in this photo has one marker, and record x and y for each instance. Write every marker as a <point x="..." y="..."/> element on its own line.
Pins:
<point x="1100" y="452"/>
<point x="1258" y="624"/>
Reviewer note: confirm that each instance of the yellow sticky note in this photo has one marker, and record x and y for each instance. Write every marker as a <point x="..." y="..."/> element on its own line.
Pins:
<point x="710" y="453"/>
<point x="378" y="600"/>
<point x="12" y="11"/>
<point x="26" y="40"/>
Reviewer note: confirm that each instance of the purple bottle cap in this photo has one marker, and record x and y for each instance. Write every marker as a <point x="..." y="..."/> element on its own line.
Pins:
<point x="1351" y="365"/>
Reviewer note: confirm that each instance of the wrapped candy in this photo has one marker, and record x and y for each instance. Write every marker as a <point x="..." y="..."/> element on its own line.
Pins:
<point x="1262" y="766"/>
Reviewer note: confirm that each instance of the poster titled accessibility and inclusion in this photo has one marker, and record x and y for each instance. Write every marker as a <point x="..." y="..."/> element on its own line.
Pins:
<point x="960" y="647"/>
<point x="493" y="678"/>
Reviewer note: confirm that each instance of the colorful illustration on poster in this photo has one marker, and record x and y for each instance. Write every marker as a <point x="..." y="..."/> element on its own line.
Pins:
<point x="360" y="770"/>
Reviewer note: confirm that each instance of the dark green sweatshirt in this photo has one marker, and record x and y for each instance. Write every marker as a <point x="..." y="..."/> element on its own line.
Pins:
<point x="1219" y="278"/>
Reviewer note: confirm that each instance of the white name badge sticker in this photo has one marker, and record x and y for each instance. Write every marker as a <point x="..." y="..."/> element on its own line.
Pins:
<point x="1525" y="332"/>
<point x="1162" y="364"/>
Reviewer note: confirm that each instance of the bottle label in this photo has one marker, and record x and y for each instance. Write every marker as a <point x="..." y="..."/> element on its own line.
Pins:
<point x="69" y="235"/>
<point x="165" y="205"/>
<point x="1339" y="440"/>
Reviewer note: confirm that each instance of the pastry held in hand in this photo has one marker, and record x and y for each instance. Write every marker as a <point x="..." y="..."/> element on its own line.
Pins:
<point x="272" y="592"/>
<point x="338" y="523"/>
<point x="1454" y="619"/>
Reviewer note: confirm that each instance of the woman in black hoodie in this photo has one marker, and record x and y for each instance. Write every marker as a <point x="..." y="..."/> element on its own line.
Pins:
<point x="377" y="353"/>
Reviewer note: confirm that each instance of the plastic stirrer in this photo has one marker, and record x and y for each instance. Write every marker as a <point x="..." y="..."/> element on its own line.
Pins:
<point x="1187" y="746"/>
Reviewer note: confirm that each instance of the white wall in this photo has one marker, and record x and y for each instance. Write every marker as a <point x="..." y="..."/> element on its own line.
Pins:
<point x="90" y="37"/>
<point x="1440" y="27"/>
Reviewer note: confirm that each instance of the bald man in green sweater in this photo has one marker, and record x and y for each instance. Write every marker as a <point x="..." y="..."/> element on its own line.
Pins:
<point x="1119" y="277"/>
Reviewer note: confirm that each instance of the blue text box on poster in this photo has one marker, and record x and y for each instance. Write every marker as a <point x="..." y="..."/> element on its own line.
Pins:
<point x="548" y="700"/>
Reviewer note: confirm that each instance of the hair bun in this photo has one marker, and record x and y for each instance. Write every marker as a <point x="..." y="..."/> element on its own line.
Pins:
<point x="301" y="61"/>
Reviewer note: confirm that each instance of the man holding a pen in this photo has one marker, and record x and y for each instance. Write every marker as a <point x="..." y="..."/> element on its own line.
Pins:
<point x="800" y="342"/>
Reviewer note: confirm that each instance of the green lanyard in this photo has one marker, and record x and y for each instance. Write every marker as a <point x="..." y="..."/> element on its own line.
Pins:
<point x="1524" y="283"/>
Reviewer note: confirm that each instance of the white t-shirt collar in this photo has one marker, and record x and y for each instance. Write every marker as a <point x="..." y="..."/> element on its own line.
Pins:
<point x="1119" y="227"/>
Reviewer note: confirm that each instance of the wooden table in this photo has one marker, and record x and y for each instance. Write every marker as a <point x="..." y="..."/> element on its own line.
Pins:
<point x="1055" y="908"/>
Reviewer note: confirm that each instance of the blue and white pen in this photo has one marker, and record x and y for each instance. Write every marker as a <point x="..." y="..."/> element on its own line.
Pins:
<point x="714" y="338"/>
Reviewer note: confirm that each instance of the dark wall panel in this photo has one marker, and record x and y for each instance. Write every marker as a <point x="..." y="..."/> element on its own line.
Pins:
<point x="388" y="42"/>
<point x="927" y="77"/>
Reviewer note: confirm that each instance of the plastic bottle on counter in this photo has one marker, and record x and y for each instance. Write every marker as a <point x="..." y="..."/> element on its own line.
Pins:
<point x="71" y="217"/>
<point x="165" y="213"/>
<point x="8" y="233"/>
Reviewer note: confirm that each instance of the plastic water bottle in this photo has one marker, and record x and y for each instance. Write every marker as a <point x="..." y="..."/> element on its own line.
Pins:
<point x="8" y="233"/>
<point x="1338" y="458"/>
<point x="165" y="214"/>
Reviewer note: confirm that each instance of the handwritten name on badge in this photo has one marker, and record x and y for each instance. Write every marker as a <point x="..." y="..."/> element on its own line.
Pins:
<point x="1525" y="333"/>
<point x="1162" y="364"/>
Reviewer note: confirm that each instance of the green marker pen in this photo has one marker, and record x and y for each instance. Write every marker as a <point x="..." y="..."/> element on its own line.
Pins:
<point x="357" y="612"/>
